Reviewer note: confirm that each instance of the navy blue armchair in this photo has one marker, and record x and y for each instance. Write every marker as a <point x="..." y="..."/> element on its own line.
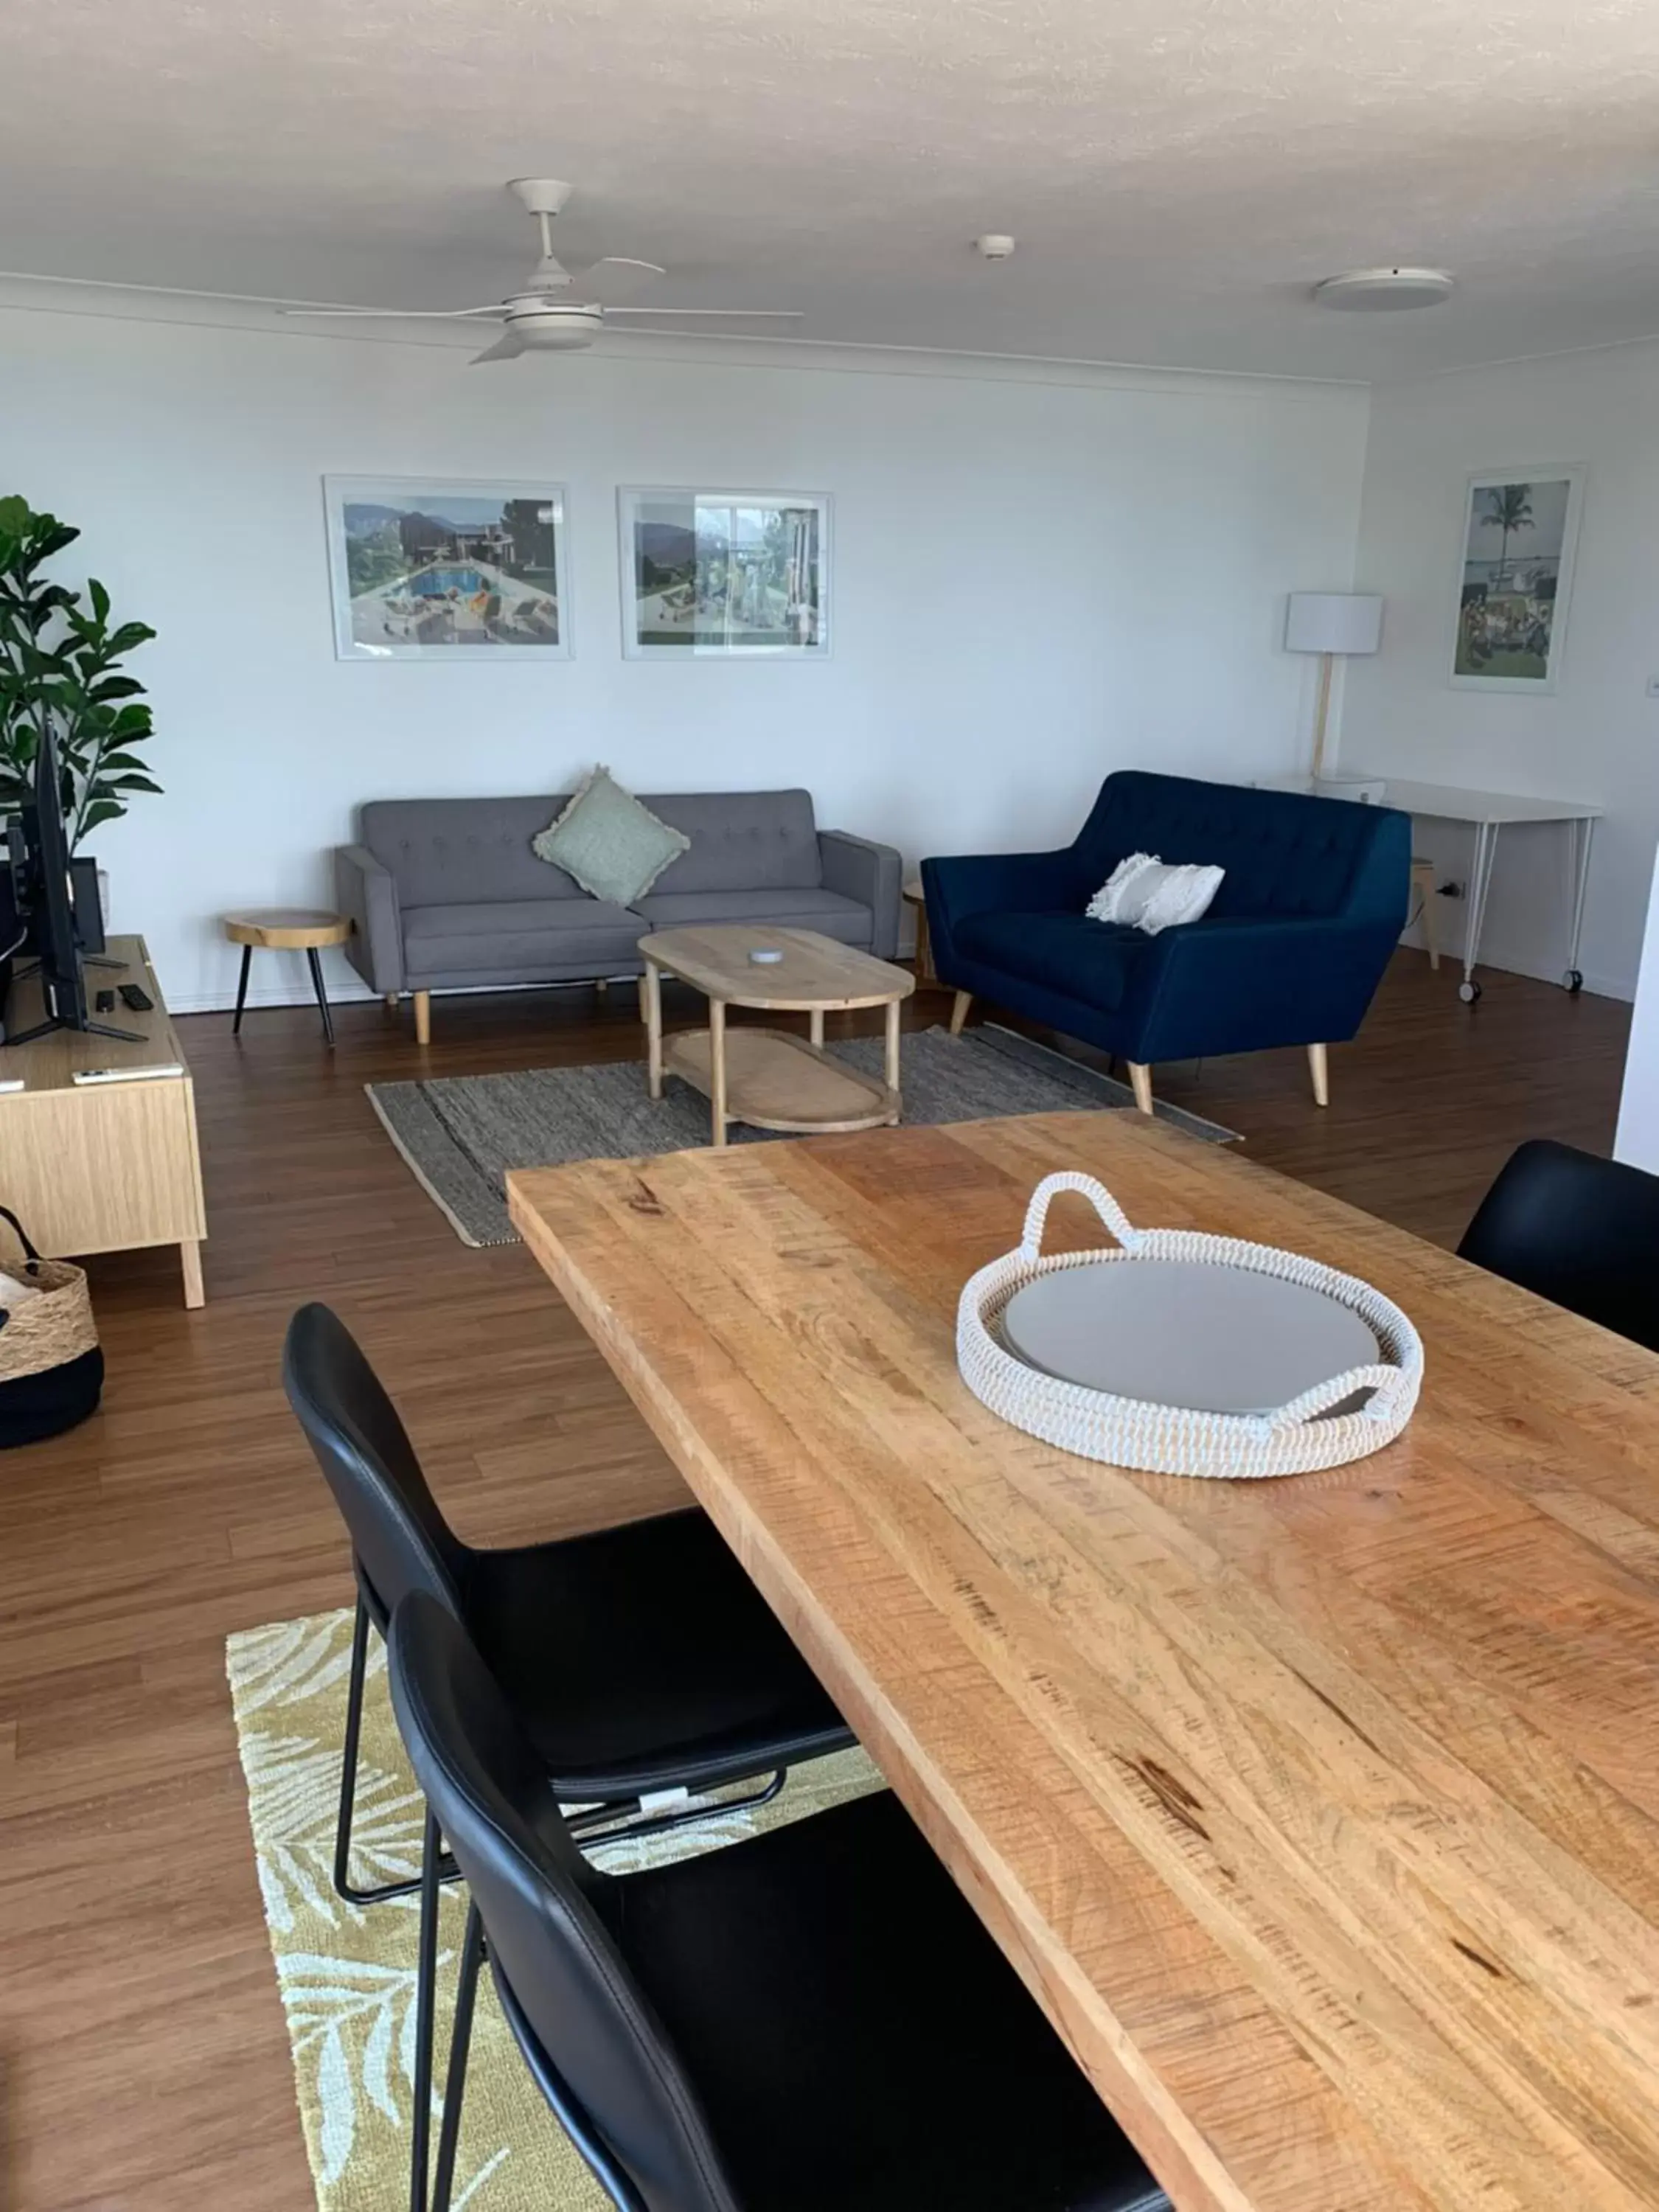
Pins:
<point x="1290" y="952"/>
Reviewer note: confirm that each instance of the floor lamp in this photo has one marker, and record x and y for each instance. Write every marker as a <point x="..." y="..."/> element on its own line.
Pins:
<point x="1329" y="622"/>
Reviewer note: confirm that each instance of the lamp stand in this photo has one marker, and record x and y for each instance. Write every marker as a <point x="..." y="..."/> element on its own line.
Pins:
<point x="1322" y="712"/>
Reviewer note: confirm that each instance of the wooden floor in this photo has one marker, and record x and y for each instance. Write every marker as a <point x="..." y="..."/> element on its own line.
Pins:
<point x="142" y="2057"/>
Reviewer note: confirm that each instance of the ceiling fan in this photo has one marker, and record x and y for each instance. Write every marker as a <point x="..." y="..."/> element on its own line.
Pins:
<point x="559" y="310"/>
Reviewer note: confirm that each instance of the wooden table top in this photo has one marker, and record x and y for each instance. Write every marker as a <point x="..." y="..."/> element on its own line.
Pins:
<point x="814" y="972"/>
<point x="49" y="1063"/>
<point x="287" y="928"/>
<point x="1321" y="1813"/>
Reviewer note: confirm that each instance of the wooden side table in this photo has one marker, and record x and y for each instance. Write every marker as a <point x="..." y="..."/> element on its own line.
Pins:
<point x="917" y="897"/>
<point x="286" y="929"/>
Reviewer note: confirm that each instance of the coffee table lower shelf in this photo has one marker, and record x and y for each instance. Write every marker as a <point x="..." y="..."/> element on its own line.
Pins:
<point x="775" y="1080"/>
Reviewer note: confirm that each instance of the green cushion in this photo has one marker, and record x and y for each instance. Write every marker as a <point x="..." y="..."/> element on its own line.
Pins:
<point x="614" y="848"/>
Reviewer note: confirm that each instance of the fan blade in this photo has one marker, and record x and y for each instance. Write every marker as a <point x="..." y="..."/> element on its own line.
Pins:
<point x="402" y="314"/>
<point x="609" y="281"/>
<point x="507" y="347"/>
<point x="748" y="314"/>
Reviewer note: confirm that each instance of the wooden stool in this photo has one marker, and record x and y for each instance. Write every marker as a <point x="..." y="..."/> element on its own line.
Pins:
<point x="1423" y="884"/>
<point x="918" y="898"/>
<point x="286" y="929"/>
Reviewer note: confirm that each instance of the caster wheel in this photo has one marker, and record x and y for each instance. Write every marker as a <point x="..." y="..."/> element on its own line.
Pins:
<point x="1468" y="993"/>
<point x="1573" y="980"/>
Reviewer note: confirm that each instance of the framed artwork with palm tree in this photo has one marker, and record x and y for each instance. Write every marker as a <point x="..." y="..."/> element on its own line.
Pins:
<point x="1519" y="531"/>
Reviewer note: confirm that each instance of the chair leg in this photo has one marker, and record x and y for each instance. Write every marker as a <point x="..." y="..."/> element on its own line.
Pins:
<point x="424" y="1017"/>
<point x="1318" y="1067"/>
<point x="460" y="2044"/>
<point x="959" y="1012"/>
<point x="617" y="1821"/>
<point x="426" y="1991"/>
<point x="343" y="1885"/>
<point x="1140" y="1075"/>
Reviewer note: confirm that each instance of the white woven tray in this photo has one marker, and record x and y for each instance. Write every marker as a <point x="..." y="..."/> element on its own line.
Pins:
<point x="1173" y="1439"/>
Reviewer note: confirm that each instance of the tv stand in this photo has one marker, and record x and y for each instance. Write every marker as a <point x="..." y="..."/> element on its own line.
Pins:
<point x="102" y="1167"/>
<point x="53" y="1023"/>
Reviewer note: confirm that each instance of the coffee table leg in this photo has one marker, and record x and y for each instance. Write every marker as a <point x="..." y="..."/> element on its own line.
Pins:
<point x="653" y="988"/>
<point x="815" y="1030"/>
<point x="717" y="1067"/>
<point x="893" y="1049"/>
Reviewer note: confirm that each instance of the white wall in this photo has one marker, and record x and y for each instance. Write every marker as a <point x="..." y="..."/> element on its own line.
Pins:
<point x="1039" y="576"/>
<point x="1597" y="737"/>
<point x="1638" y="1140"/>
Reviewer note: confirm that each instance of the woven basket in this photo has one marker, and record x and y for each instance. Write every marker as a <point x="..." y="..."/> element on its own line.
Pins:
<point x="51" y="1371"/>
<point x="1173" y="1439"/>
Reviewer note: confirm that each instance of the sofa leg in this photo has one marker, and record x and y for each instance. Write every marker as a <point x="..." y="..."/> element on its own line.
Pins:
<point x="1319" y="1068"/>
<point x="424" y="1017"/>
<point x="1141" y="1077"/>
<point x="601" y="984"/>
<point x="959" y="1012"/>
<point x="391" y="998"/>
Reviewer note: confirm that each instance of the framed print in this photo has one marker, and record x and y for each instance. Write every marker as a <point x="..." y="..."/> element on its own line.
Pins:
<point x="427" y="569"/>
<point x="1519" y="530"/>
<point x="725" y="575"/>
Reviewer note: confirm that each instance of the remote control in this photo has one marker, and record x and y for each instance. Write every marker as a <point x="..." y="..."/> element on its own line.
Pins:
<point x="104" y="1003"/>
<point x="136" y="997"/>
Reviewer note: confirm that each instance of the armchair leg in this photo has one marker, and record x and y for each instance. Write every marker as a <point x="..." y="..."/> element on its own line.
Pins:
<point x="424" y="1017"/>
<point x="1318" y="1067"/>
<point x="1141" y="1077"/>
<point x="959" y="1012"/>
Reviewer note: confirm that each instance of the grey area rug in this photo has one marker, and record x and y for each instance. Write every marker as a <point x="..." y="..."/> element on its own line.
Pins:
<point x="460" y="1133"/>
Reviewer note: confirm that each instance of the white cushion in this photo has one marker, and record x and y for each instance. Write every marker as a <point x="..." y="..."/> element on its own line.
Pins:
<point x="1144" y="895"/>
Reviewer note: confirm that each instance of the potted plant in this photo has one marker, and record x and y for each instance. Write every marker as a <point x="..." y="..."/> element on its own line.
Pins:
<point x="60" y="667"/>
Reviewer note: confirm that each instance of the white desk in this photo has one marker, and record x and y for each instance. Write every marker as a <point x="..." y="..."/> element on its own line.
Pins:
<point x="1488" y="811"/>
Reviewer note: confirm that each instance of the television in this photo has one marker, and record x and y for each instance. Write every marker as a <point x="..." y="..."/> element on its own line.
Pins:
<point x="43" y="883"/>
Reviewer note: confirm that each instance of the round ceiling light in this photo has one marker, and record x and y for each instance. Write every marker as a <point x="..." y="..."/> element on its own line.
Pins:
<point x="1382" y="291"/>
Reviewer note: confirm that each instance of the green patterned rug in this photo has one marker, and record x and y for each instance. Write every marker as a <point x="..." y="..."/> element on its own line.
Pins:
<point x="347" y="1978"/>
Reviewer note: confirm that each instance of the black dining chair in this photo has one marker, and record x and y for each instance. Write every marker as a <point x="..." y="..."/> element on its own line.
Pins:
<point x="1580" y="1231"/>
<point x="640" y="1664"/>
<point x="810" y="2021"/>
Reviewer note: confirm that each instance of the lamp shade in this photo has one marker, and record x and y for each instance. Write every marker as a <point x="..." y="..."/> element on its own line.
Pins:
<point x="1333" y="621"/>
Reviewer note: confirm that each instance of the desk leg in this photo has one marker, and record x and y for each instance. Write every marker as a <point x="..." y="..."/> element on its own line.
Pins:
<point x="1582" y="832"/>
<point x="1486" y="851"/>
<point x="189" y="1255"/>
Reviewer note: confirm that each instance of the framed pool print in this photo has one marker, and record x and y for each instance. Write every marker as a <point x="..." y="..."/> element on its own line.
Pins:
<point x="724" y="574"/>
<point x="1514" y="578"/>
<point x="426" y="568"/>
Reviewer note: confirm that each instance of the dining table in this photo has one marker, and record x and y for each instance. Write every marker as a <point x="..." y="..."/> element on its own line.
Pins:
<point x="1320" y="1813"/>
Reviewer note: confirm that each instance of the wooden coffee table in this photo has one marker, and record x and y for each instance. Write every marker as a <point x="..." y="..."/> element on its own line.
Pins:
<point x="772" y="1079"/>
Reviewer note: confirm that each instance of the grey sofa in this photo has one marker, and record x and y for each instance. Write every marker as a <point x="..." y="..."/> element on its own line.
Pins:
<point x="446" y="894"/>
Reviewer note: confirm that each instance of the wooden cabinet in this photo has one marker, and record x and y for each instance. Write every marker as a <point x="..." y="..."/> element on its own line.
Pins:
<point x="103" y="1167"/>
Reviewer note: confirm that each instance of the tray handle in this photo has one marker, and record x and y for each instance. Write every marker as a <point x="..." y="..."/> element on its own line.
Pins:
<point x="1385" y="1384"/>
<point x="1111" y="1213"/>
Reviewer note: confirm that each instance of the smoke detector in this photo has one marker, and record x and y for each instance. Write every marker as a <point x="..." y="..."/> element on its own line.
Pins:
<point x="994" y="245"/>
<point x="1384" y="291"/>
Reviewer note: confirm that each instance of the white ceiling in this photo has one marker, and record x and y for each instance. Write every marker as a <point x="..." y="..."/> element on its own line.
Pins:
<point x="1177" y="172"/>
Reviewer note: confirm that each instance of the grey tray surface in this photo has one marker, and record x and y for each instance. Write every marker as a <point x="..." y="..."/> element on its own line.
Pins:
<point x="1216" y="1340"/>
